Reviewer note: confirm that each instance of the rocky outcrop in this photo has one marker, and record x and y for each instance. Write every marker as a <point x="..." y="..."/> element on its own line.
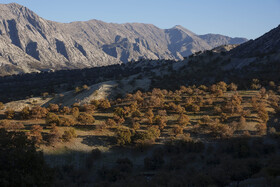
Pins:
<point x="30" y="43"/>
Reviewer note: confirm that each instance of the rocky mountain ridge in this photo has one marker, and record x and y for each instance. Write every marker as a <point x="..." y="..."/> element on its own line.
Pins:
<point x="29" y="43"/>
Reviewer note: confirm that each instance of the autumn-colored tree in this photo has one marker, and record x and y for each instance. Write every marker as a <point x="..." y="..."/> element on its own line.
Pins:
<point x="54" y="135"/>
<point x="261" y="128"/>
<point x="153" y="132"/>
<point x="25" y="113"/>
<point x="38" y="112"/>
<point x="149" y="115"/>
<point x="178" y="129"/>
<point x="52" y="118"/>
<point x="160" y="121"/>
<point x="262" y="112"/>
<point x="2" y="106"/>
<point x="110" y="123"/>
<point x="136" y="113"/>
<point x="75" y="112"/>
<point x="123" y="136"/>
<point x="183" y="120"/>
<point x="119" y="111"/>
<point x="65" y="110"/>
<point x="85" y="87"/>
<point x="104" y="104"/>
<point x="232" y="87"/>
<point x="36" y="134"/>
<point x="118" y="120"/>
<point x="66" y="121"/>
<point x="95" y="103"/>
<point x="222" y="86"/>
<point x="85" y="118"/>
<point x="10" y="114"/>
<point x="255" y="84"/>
<point x="135" y="126"/>
<point x="69" y="135"/>
<point x="242" y="123"/>
<point x="53" y="107"/>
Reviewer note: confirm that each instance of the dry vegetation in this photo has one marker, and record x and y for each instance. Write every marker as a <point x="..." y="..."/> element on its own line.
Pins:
<point x="182" y="124"/>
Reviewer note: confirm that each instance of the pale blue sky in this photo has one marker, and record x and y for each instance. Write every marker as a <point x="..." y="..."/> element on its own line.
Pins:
<point x="243" y="18"/>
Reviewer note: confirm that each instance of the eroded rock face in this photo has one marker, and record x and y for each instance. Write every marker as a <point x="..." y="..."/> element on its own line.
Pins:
<point x="30" y="43"/>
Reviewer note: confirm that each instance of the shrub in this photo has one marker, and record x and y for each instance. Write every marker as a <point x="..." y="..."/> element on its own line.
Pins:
<point x="10" y="114"/>
<point x="123" y="136"/>
<point x="75" y="112"/>
<point x="64" y="121"/>
<point x="85" y="118"/>
<point x="52" y="118"/>
<point x="38" y="112"/>
<point x="136" y="126"/>
<point x="36" y="134"/>
<point x="104" y="104"/>
<point x="2" y="106"/>
<point x="54" y="135"/>
<point x="69" y="135"/>
<point x="178" y="130"/>
<point x="261" y="128"/>
<point x="110" y="123"/>
<point x="232" y="87"/>
<point x="53" y="108"/>
<point x="25" y="113"/>
<point x="183" y="120"/>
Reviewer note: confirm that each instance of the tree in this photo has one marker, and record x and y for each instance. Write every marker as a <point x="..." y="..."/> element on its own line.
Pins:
<point x="52" y="118"/>
<point x="160" y="121"/>
<point x="104" y="104"/>
<point x="149" y="115"/>
<point x="54" y="135"/>
<point x="222" y="86"/>
<point x="123" y="136"/>
<point x="178" y="129"/>
<point x="25" y="113"/>
<point x="183" y="120"/>
<point x="36" y="134"/>
<point x="9" y="114"/>
<point x="232" y="87"/>
<point x="261" y="128"/>
<point x="21" y="164"/>
<point x="65" y="121"/>
<point x="69" y="135"/>
<point x="2" y="106"/>
<point x="110" y="123"/>
<point x="53" y="107"/>
<point x="75" y="112"/>
<point x="38" y="112"/>
<point x="85" y="118"/>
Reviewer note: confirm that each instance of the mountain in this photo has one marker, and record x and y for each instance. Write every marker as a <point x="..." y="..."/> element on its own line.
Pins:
<point x="267" y="43"/>
<point x="29" y="43"/>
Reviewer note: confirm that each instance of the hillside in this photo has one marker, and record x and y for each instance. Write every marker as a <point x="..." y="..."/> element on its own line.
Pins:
<point x="29" y="43"/>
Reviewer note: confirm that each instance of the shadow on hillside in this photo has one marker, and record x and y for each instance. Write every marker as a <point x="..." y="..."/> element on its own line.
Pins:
<point x="97" y="140"/>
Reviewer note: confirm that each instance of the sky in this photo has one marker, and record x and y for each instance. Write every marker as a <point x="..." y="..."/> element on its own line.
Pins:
<point x="235" y="18"/>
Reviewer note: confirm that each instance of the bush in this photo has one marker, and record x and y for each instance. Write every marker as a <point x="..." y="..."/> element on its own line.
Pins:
<point x="104" y="104"/>
<point x="38" y="112"/>
<point x="85" y="118"/>
<point x="123" y="136"/>
<point x="52" y="118"/>
<point x="53" y="107"/>
<point x="183" y="120"/>
<point x="2" y="106"/>
<point x="75" y="112"/>
<point x="25" y="113"/>
<point x="64" y="121"/>
<point x="69" y="135"/>
<point x="10" y="114"/>
<point x="178" y="130"/>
